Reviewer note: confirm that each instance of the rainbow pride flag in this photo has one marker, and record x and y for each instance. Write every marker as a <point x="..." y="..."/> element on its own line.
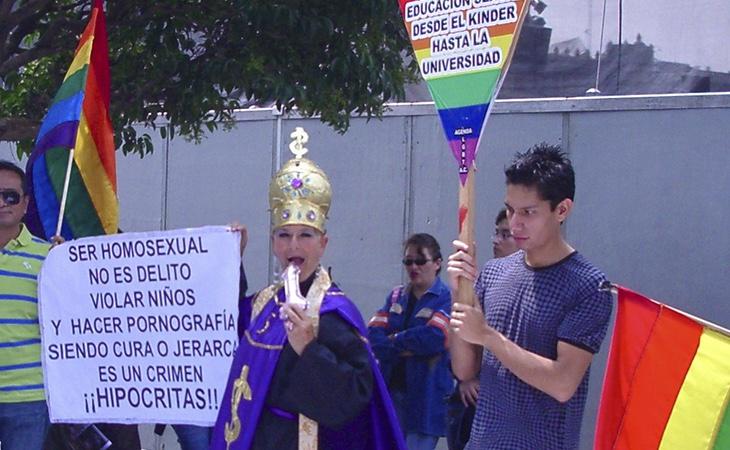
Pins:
<point x="463" y="48"/>
<point x="78" y="118"/>
<point x="667" y="381"/>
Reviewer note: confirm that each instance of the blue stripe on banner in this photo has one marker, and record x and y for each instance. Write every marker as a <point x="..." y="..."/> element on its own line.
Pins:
<point x="20" y="298"/>
<point x="18" y="321"/>
<point x="39" y="240"/>
<point x="463" y="117"/>
<point x="67" y="110"/>
<point x="45" y="197"/>
<point x="47" y="200"/>
<point x="23" y="254"/>
<point x="20" y="366"/>
<point x="20" y="343"/>
<point x="27" y="387"/>
<point x="7" y="273"/>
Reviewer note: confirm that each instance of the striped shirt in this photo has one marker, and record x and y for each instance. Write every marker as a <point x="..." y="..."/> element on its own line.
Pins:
<point x="21" y="376"/>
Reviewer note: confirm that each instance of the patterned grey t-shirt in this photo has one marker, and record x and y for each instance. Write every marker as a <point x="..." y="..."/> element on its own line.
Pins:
<point x="536" y="308"/>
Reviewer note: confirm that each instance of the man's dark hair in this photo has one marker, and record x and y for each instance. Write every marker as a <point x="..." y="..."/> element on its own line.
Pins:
<point x="501" y="215"/>
<point x="420" y="241"/>
<point x="12" y="167"/>
<point x="546" y="168"/>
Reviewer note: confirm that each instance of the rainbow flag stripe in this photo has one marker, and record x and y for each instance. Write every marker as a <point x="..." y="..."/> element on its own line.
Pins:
<point x="78" y="118"/>
<point x="463" y="48"/>
<point x="667" y="382"/>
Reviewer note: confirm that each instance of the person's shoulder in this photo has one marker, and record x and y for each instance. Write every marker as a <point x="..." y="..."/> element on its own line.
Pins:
<point x="338" y="310"/>
<point x="498" y="265"/>
<point x="33" y="242"/>
<point x="496" y="270"/>
<point x="335" y="298"/>
<point x="335" y="290"/>
<point x="28" y="248"/>
<point x="585" y="279"/>
<point x="582" y="269"/>
<point x="397" y="289"/>
<point x="396" y="293"/>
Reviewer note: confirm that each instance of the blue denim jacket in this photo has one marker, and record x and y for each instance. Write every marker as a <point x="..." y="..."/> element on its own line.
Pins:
<point x="422" y="344"/>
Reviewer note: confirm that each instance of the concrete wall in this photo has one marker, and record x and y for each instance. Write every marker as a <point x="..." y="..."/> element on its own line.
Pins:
<point x="653" y="182"/>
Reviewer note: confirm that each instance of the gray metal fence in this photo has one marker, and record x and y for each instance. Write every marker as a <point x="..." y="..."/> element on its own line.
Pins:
<point x="652" y="210"/>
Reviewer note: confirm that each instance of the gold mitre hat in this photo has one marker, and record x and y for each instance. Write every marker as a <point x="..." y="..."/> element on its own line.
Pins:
<point x="299" y="193"/>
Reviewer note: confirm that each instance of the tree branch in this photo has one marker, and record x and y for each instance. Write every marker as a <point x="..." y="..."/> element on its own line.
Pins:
<point x="48" y="38"/>
<point x="29" y="9"/>
<point x="17" y="24"/>
<point x="4" y="26"/>
<point x="14" y="63"/>
<point x="21" y="31"/>
<point x="5" y="7"/>
<point x="71" y="6"/>
<point x="18" y="128"/>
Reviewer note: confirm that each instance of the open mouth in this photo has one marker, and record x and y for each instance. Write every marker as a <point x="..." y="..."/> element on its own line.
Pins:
<point x="297" y="261"/>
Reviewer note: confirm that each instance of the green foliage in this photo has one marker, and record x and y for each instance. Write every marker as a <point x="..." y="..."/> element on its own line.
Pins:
<point x="194" y="62"/>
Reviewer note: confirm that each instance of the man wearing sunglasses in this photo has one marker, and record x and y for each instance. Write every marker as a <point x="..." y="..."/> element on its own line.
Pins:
<point x="23" y="412"/>
<point x="408" y="335"/>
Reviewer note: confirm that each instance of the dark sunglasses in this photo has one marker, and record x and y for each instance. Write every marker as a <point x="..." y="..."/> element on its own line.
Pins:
<point x="10" y="196"/>
<point x="418" y="262"/>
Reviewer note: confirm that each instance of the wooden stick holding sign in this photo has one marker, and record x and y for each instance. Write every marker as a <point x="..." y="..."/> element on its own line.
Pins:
<point x="466" y="232"/>
<point x="463" y="50"/>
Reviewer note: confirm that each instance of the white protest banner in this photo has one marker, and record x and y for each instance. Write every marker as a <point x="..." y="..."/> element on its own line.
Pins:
<point x="140" y="327"/>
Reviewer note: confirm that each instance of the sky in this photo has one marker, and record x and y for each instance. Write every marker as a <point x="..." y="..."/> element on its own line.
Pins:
<point x="694" y="33"/>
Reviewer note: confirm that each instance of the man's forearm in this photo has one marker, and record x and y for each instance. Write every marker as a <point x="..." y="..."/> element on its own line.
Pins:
<point x="465" y="358"/>
<point x="557" y="378"/>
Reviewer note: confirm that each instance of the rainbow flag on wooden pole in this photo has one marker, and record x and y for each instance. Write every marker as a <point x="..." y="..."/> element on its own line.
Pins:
<point x="464" y="48"/>
<point x="72" y="171"/>
<point x="667" y="382"/>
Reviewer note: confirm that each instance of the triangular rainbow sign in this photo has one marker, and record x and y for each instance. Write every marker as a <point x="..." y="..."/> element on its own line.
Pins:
<point x="463" y="48"/>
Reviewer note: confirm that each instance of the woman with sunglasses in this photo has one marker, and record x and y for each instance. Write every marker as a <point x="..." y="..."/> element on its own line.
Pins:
<point x="409" y="335"/>
<point x="303" y="376"/>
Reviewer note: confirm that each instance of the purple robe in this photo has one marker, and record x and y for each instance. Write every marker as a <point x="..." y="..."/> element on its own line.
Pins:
<point x="257" y="356"/>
